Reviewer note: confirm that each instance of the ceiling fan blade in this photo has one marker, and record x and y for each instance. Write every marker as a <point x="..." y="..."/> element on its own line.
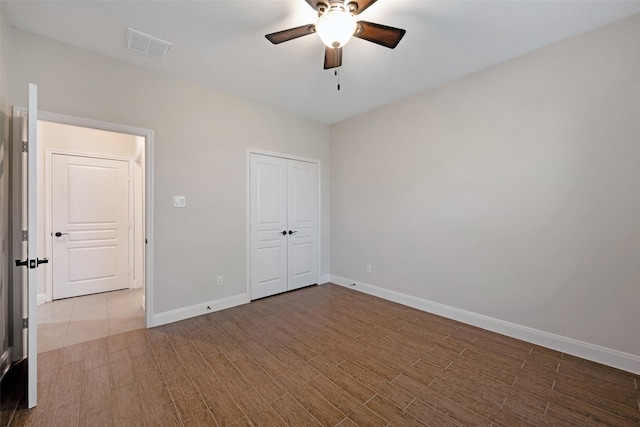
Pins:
<point x="362" y="5"/>
<point x="332" y="57"/>
<point x="379" y="34"/>
<point x="291" y="33"/>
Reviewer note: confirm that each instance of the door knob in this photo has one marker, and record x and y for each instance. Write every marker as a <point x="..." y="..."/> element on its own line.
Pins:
<point x="291" y="232"/>
<point x="58" y="234"/>
<point x="284" y="233"/>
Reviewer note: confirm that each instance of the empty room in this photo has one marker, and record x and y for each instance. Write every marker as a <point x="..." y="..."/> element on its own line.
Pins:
<point x="319" y="212"/>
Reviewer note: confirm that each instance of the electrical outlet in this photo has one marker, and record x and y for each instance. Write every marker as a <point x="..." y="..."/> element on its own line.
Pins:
<point x="368" y="268"/>
<point x="220" y="281"/>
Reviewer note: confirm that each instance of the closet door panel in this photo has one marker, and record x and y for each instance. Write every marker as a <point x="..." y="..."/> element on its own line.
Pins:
<point x="303" y="224"/>
<point x="268" y="198"/>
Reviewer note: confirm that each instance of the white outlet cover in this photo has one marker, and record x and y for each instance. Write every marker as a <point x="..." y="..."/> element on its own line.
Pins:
<point x="179" y="202"/>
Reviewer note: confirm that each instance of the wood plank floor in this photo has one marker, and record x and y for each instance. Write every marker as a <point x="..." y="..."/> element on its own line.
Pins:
<point x="330" y="356"/>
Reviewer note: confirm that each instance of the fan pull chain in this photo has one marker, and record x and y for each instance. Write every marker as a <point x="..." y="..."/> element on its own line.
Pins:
<point x="337" y="70"/>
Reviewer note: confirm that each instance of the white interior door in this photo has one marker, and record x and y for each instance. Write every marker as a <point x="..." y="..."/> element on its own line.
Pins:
<point x="90" y="220"/>
<point x="268" y="198"/>
<point x="303" y="224"/>
<point x="283" y="223"/>
<point x="32" y="256"/>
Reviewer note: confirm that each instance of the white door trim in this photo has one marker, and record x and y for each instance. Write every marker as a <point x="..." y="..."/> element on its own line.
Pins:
<point x="48" y="207"/>
<point x="148" y="136"/>
<point x="249" y="152"/>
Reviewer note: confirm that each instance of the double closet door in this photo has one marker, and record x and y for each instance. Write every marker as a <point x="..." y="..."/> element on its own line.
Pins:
<point x="284" y="224"/>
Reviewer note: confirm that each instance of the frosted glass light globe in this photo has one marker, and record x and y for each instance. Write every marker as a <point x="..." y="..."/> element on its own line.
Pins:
<point x="335" y="28"/>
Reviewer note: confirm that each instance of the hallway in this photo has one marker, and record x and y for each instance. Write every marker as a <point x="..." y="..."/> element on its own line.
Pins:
<point x="71" y="321"/>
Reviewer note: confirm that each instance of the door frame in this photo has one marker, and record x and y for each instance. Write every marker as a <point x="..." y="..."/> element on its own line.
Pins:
<point x="148" y="222"/>
<point x="48" y="208"/>
<point x="249" y="152"/>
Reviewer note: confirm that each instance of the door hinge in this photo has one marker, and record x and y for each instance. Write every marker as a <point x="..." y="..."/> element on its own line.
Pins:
<point x="25" y="146"/>
<point x="25" y="323"/>
<point x="25" y="235"/>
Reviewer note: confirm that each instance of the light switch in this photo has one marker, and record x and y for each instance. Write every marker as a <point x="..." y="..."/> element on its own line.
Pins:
<point x="179" y="202"/>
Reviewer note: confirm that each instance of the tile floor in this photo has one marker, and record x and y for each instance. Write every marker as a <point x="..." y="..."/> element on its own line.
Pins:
<point x="71" y="321"/>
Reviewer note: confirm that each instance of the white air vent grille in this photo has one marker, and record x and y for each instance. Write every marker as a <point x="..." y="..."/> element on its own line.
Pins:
<point x="149" y="45"/>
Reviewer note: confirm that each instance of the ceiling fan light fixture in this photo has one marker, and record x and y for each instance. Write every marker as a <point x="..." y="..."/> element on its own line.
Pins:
<point x="336" y="27"/>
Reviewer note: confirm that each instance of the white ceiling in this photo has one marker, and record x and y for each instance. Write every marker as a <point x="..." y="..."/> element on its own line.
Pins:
<point x="221" y="44"/>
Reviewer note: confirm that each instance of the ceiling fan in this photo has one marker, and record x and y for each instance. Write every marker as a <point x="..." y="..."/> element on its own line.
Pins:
<point x="336" y="25"/>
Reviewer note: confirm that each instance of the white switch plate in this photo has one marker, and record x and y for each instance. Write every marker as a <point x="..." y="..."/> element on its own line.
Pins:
<point x="368" y="268"/>
<point x="179" y="202"/>
<point x="220" y="281"/>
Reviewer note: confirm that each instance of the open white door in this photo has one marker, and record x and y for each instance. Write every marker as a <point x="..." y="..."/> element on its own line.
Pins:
<point x="28" y="254"/>
<point x="25" y="305"/>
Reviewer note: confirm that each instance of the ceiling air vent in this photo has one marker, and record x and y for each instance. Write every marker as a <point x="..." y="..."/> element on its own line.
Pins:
<point x="149" y="45"/>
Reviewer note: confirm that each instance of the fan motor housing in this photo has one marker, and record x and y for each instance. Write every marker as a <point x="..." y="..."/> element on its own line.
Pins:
<point x="325" y="6"/>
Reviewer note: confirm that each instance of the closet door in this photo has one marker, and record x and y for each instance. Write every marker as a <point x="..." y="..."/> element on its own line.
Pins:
<point x="284" y="224"/>
<point x="302" y="244"/>
<point x="269" y="232"/>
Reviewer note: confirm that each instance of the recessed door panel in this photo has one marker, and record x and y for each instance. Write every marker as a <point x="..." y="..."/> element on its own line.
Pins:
<point x="302" y="259"/>
<point x="270" y="194"/>
<point x="88" y="235"/>
<point x="92" y="194"/>
<point x="269" y="270"/>
<point x="82" y="266"/>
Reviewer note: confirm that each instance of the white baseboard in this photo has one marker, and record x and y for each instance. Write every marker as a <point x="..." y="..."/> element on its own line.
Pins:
<point x="41" y="299"/>
<point x="618" y="359"/>
<point x="326" y="278"/>
<point x="197" y="310"/>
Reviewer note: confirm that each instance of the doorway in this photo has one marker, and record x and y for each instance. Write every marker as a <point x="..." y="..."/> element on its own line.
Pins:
<point x="27" y="198"/>
<point x="92" y="181"/>
<point x="283" y="223"/>
<point x="92" y="217"/>
<point x="95" y="235"/>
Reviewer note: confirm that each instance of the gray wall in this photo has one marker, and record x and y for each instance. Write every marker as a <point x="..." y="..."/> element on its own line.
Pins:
<point x="513" y="193"/>
<point x="201" y="136"/>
